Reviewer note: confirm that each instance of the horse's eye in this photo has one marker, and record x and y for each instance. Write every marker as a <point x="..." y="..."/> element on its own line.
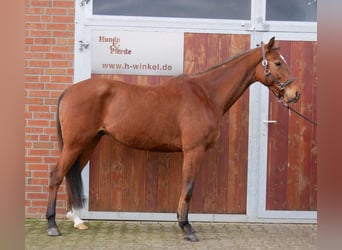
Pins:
<point x="278" y="63"/>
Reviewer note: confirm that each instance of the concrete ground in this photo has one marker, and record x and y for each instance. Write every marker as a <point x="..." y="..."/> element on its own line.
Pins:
<point x="167" y="235"/>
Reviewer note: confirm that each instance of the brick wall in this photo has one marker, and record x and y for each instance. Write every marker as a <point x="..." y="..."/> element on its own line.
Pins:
<point x="49" y="43"/>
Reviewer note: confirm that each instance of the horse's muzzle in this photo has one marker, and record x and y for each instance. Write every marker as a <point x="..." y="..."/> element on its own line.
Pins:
<point x="294" y="99"/>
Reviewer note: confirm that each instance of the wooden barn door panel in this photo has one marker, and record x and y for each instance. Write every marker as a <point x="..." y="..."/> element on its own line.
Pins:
<point x="124" y="179"/>
<point x="292" y="145"/>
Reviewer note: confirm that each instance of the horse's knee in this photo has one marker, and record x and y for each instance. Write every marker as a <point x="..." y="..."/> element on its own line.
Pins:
<point x="55" y="179"/>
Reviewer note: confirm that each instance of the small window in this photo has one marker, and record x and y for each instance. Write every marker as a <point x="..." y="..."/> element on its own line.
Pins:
<point x="213" y="9"/>
<point x="291" y="10"/>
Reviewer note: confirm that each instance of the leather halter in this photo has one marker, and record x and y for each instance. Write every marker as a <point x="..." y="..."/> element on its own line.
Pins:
<point x="267" y="72"/>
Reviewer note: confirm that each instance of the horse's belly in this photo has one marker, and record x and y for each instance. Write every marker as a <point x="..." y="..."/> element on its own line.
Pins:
<point x="149" y="142"/>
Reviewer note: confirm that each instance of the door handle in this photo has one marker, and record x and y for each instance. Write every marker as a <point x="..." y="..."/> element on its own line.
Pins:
<point x="270" y="121"/>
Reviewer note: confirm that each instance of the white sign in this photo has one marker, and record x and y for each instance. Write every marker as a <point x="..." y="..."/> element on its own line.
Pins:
<point x="137" y="53"/>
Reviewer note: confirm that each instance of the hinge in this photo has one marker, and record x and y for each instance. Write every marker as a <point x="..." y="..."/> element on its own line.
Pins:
<point x="84" y="2"/>
<point x="82" y="45"/>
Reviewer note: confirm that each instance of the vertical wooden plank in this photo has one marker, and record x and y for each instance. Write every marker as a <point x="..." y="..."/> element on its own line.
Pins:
<point x="94" y="181"/>
<point x="313" y="169"/>
<point x="223" y="144"/>
<point x="201" y="42"/>
<point x="277" y="148"/>
<point x="243" y="166"/>
<point x="129" y="178"/>
<point x="294" y="139"/>
<point x="306" y="133"/>
<point x="151" y="180"/>
<point x="163" y="182"/>
<point x="243" y="150"/>
<point x="176" y="160"/>
<point x="222" y="167"/>
<point x="140" y="160"/>
<point x="113" y="151"/>
<point x="209" y="165"/>
<point x="201" y="45"/>
<point x="189" y="53"/>
<point x="234" y="140"/>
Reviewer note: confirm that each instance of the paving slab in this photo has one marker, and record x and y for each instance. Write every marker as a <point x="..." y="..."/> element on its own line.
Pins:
<point x="167" y="235"/>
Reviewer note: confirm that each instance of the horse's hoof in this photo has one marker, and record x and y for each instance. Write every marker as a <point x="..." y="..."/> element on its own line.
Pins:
<point x="191" y="237"/>
<point x="53" y="231"/>
<point x="81" y="226"/>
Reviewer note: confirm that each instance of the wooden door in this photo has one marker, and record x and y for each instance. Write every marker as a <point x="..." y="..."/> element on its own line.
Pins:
<point x="124" y="179"/>
<point x="292" y="145"/>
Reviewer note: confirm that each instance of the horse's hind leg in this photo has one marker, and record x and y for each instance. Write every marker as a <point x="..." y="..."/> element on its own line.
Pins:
<point x="191" y="164"/>
<point x="66" y="161"/>
<point x="72" y="212"/>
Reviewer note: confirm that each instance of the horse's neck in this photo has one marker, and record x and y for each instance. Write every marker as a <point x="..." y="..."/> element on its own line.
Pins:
<point x="226" y="83"/>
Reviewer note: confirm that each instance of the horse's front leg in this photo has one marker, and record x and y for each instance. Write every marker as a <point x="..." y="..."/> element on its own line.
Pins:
<point x="191" y="164"/>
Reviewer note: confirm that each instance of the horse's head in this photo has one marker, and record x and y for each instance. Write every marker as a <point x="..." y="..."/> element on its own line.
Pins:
<point x="274" y="73"/>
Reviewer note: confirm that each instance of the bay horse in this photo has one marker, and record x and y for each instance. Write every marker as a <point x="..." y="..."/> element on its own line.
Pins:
<point x="182" y="115"/>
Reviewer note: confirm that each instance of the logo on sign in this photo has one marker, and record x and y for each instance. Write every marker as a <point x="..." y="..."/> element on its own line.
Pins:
<point x="115" y="48"/>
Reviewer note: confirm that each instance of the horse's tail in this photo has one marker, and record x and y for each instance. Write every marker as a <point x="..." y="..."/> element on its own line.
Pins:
<point x="73" y="178"/>
<point x="75" y="185"/>
<point x="58" y="123"/>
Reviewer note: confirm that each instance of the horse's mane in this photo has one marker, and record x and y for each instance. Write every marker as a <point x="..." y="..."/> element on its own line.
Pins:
<point x="227" y="61"/>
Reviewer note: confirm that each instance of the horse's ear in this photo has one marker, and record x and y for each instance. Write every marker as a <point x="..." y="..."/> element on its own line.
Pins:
<point x="271" y="43"/>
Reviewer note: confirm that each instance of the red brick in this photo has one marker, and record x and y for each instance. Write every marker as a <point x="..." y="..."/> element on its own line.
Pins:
<point x="48" y="145"/>
<point x="35" y="108"/>
<point x="35" y="26"/>
<point x="56" y="71"/>
<point x="47" y="116"/>
<point x="64" y="79"/>
<point x="63" y="64"/>
<point x="57" y="26"/>
<point x="34" y="71"/>
<point x="55" y="56"/>
<point x="37" y="63"/>
<point x="50" y="130"/>
<point x="33" y="159"/>
<point x="62" y="33"/>
<point x="33" y="55"/>
<point x="45" y="40"/>
<point x="39" y="203"/>
<point x="39" y="181"/>
<point x="35" y="130"/>
<point x="46" y="19"/>
<point x="38" y="152"/>
<point x="29" y="137"/>
<point x="40" y="48"/>
<point x="45" y="79"/>
<point x="32" y="100"/>
<point x="31" y="188"/>
<point x="40" y="33"/>
<point x="33" y="10"/>
<point x="38" y="93"/>
<point x="63" y="19"/>
<point x="63" y="49"/>
<point x="66" y="4"/>
<point x="31" y="82"/>
<point x="40" y="174"/>
<point x="32" y="18"/>
<point x="28" y="41"/>
<point x="56" y="11"/>
<point x="36" y="196"/>
<point x="41" y="167"/>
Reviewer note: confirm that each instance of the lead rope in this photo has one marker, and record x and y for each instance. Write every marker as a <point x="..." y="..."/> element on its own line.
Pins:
<point x="299" y="114"/>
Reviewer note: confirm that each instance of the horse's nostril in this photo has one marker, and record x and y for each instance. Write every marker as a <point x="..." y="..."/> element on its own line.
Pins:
<point x="297" y="95"/>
